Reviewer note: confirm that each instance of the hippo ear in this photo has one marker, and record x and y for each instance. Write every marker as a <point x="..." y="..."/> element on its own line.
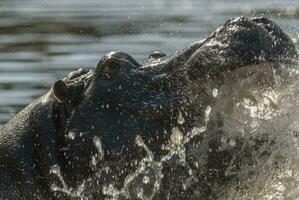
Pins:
<point x="61" y="91"/>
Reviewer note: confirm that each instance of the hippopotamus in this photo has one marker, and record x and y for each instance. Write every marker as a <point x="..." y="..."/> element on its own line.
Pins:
<point x="122" y="98"/>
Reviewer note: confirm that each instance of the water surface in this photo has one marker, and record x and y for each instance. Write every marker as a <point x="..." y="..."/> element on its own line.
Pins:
<point x="41" y="41"/>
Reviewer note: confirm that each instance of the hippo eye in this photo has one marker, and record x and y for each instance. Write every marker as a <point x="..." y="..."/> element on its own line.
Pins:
<point x="113" y="67"/>
<point x="110" y="69"/>
<point x="113" y="64"/>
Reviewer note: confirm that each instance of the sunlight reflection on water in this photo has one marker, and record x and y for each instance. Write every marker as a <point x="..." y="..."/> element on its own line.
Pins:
<point x="41" y="41"/>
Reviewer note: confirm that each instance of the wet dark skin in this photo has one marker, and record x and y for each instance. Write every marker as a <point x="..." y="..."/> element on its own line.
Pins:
<point x="122" y="98"/>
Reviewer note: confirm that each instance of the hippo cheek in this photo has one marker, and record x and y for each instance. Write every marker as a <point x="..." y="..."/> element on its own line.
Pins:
<point x="115" y="126"/>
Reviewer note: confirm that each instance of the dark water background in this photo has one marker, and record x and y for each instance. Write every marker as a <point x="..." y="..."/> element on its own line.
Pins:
<point x="42" y="40"/>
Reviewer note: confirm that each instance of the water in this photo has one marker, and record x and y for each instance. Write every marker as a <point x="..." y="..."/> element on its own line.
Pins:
<point x="41" y="41"/>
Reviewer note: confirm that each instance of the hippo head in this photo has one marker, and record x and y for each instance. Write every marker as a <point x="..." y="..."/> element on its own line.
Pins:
<point x="121" y="98"/>
<point x="117" y="101"/>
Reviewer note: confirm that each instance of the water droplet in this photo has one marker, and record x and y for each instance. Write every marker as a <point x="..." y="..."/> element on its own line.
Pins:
<point x="140" y="193"/>
<point x="94" y="161"/>
<point x="184" y="186"/>
<point x="71" y="135"/>
<point x="139" y="141"/>
<point x="223" y="139"/>
<point x="107" y="169"/>
<point x="208" y="110"/>
<point x="54" y="187"/>
<point x="176" y="137"/>
<point x="207" y="114"/>
<point x="232" y="142"/>
<point x="110" y="190"/>
<point x="55" y="169"/>
<point x="181" y="119"/>
<point x="146" y="180"/>
<point x="196" y="164"/>
<point x="98" y="145"/>
<point x="215" y="92"/>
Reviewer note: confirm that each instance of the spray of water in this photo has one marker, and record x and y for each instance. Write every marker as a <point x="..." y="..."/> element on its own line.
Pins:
<point x="245" y="148"/>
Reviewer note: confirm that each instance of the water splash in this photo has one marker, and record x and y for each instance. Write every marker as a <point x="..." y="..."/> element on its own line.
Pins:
<point x="145" y="181"/>
<point x="252" y="154"/>
<point x="69" y="191"/>
<point x="181" y="119"/>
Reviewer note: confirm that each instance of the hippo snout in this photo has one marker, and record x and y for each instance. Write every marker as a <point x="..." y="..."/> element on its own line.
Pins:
<point x="239" y="42"/>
